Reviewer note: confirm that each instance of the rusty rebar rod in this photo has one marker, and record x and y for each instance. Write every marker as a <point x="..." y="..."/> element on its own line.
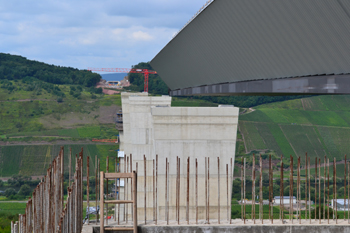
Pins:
<point x="335" y="183"/>
<point x="253" y="190"/>
<point x="197" y="191"/>
<point x="306" y="175"/>
<point x="154" y="191"/>
<point x="269" y="187"/>
<point x="344" y="185"/>
<point x="178" y="191"/>
<point x="231" y="175"/>
<point x="334" y="188"/>
<point x="87" y="186"/>
<point x="328" y="188"/>
<point x="188" y="192"/>
<point x="281" y="181"/>
<point x="107" y="170"/>
<point x="206" y="189"/>
<point x="319" y="192"/>
<point x="209" y="191"/>
<point x="218" y="190"/>
<point x="244" y="189"/>
<point x="167" y="203"/>
<point x="299" y="192"/>
<point x="260" y="194"/>
<point x="309" y="181"/>
<point x="315" y="187"/>
<point x="324" y="187"/>
<point x="144" y="187"/>
<point x="348" y="191"/>
<point x="226" y="194"/>
<point x="166" y="190"/>
<point x="291" y="187"/>
<point x="241" y="187"/>
<point x="177" y="187"/>
<point x="271" y="192"/>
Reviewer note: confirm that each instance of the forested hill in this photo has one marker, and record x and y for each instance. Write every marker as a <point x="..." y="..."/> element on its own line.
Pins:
<point x="158" y="87"/>
<point x="13" y="67"/>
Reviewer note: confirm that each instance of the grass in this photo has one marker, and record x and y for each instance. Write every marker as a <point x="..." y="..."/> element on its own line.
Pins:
<point x="89" y="132"/>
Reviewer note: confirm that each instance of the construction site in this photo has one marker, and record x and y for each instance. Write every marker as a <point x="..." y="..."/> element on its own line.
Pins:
<point x="175" y="166"/>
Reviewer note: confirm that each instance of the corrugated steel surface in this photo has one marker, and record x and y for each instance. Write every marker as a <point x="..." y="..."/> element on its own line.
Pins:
<point x="240" y="40"/>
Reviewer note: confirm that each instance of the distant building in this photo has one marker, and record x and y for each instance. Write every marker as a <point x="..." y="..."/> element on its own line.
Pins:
<point x="285" y="200"/>
<point x="341" y="205"/>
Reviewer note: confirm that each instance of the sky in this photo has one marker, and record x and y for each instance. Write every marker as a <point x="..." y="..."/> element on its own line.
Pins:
<point x="90" y="33"/>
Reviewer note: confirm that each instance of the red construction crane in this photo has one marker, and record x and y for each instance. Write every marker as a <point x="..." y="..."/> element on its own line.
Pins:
<point x="145" y="72"/>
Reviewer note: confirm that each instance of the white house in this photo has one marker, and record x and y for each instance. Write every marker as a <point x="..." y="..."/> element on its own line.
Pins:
<point x="285" y="200"/>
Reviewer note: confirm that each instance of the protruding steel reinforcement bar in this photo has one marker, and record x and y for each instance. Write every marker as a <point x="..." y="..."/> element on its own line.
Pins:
<point x="344" y="184"/>
<point x="315" y="186"/>
<point x="306" y="174"/>
<point x="253" y="190"/>
<point x="218" y="190"/>
<point x="260" y="193"/>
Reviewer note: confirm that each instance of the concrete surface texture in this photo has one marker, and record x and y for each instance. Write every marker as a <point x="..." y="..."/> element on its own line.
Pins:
<point x="152" y="127"/>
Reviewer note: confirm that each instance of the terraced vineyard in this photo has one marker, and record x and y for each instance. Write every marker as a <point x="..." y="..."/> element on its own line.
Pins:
<point x="34" y="159"/>
<point x="317" y="125"/>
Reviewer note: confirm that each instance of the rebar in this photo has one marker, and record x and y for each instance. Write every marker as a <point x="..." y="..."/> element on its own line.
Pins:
<point x="244" y="189"/>
<point x="145" y="185"/>
<point x="291" y="186"/>
<point x="226" y="194"/>
<point x="166" y="191"/>
<point x="209" y="190"/>
<point x="260" y="194"/>
<point x="328" y="188"/>
<point x="87" y="186"/>
<point x="344" y="184"/>
<point x="241" y="188"/>
<point x="156" y="188"/>
<point x="218" y="190"/>
<point x="319" y="191"/>
<point x="197" y="191"/>
<point x="315" y="187"/>
<point x="306" y="175"/>
<point x="188" y="191"/>
<point x="253" y="189"/>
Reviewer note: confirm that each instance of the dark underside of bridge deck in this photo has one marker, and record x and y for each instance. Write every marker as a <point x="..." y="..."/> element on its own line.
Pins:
<point x="260" y="47"/>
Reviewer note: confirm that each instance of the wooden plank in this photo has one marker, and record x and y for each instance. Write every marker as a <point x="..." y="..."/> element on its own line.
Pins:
<point x="118" y="201"/>
<point x="117" y="175"/>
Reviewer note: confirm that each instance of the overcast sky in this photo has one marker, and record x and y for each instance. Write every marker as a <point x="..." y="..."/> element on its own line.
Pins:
<point x="90" y="33"/>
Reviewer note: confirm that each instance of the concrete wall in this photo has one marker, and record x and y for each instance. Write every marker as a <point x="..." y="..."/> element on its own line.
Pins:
<point x="242" y="229"/>
<point x="152" y="127"/>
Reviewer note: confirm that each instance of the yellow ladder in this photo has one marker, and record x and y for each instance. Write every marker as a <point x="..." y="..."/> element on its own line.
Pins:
<point x="107" y="176"/>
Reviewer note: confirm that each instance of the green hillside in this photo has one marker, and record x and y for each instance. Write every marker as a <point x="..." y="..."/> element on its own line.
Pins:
<point x="318" y="125"/>
<point x="32" y="160"/>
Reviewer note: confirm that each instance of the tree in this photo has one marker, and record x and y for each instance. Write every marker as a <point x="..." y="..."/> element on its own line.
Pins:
<point x="9" y="192"/>
<point x="25" y="190"/>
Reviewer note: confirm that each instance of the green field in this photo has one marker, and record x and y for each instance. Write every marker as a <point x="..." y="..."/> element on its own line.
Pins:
<point x="317" y="125"/>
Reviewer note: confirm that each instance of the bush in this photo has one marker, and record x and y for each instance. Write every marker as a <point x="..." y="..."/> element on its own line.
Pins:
<point x="10" y="192"/>
<point x="25" y="190"/>
<point x="59" y="100"/>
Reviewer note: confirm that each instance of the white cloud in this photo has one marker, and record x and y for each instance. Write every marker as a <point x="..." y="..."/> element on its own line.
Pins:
<point x="107" y="33"/>
<point x="140" y="35"/>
